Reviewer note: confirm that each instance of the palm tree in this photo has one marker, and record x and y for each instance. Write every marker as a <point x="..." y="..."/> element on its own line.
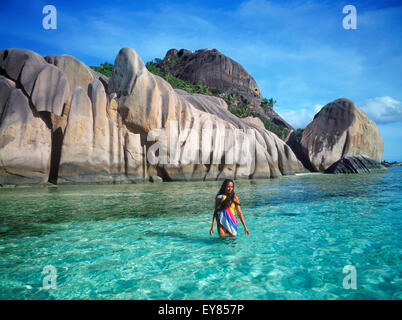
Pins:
<point x="271" y="103"/>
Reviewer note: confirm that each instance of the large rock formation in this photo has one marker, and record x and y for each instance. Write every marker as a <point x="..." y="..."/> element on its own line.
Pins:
<point x="213" y="69"/>
<point x="340" y="129"/>
<point x="59" y="125"/>
<point x="63" y="123"/>
<point x="199" y="131"/>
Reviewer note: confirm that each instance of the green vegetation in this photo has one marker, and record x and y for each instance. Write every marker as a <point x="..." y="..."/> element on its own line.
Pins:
<point x="237" y="112"/>
<point x="174" y="81"/>
<point x="105" y="69"/>
<point x="176" y="59"/>
<point x="280" y="131"/>
<point x="298" y="134"/>
<point x="246" y="101"/>
<point x="151" y="66"/>
<point x="218" y="90"/>
<point x="268" y="103"/>
<point x="231" y="99"/>
<point x="244" y="111"/>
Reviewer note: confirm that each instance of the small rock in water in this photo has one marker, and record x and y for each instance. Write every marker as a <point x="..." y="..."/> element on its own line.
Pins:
<point x="155" y="179"/>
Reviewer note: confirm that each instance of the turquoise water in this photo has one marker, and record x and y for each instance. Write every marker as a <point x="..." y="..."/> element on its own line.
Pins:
<point x="152" y="241"/>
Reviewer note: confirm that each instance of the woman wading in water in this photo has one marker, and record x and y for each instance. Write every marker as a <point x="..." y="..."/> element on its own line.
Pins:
<point x="226" y="203"/>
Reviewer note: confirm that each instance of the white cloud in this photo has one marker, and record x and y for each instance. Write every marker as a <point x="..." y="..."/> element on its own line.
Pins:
<point x="298" y="118"/>
<point x="302" y="117"/>
<point x="383" y="109"/>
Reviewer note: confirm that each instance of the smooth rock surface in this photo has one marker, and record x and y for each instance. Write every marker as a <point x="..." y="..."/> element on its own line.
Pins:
<point x="92" y="150"/>
<point x="77" y="73"/>
<point x="25" y="143"/>
<point x="77" y="145"/>
<point x="50" y="98"/>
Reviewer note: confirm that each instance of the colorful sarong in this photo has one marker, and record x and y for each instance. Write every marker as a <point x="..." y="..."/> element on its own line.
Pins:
<point x="227" y="217"/>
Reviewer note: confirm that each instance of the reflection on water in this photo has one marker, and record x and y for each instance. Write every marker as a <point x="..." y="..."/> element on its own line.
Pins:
<point x="151" y="241"/>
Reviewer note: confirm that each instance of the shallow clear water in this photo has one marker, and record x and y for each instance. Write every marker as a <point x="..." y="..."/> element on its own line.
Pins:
<point x="152" y="241"/>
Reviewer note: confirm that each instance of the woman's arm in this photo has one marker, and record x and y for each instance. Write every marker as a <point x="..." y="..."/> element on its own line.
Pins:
<point x="240" y="213"/>
<point x="211" y="232"/>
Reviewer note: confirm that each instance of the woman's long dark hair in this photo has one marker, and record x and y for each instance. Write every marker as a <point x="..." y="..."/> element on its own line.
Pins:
<point x="229" y="197"/>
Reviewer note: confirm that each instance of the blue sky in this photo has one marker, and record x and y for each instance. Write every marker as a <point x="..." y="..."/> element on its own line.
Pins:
<point x="297" y="51"/>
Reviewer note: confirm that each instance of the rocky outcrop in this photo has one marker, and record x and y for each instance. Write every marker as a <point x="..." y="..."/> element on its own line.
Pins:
<point x="213" y="69"/>
<point x="340" y="129"/>
<point x="355" y="164"/>
<point x="42" y="140"/>
<point x="63" y="123"/>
